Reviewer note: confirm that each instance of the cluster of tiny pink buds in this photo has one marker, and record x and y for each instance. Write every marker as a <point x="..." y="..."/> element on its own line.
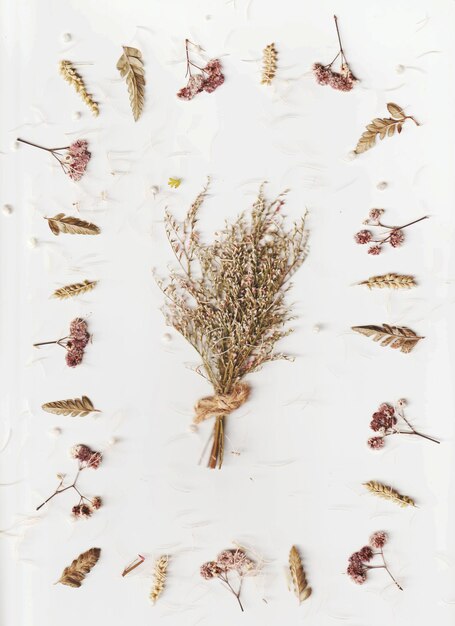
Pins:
<point x="209" y="80"/>
<point x="227" y="562"/>
<point x="358" y="563"/>
<point x="393" y="235"/>
<point x="74" y="343"/>
<point x="341" y="81"/>
<point x="384" y="422"/>
<point x="86" y="456"/>
<point x="87" y="507"/>
<point x="73" y="159"/>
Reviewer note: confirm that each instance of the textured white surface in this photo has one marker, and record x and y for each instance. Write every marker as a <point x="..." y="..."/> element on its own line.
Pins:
<point x="302" y="436"/>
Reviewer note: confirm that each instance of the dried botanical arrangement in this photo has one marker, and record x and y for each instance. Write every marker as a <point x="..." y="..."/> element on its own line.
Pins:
<point x="69" y="73"/>
<point x="69" y="225"/>
<point x="301" y="588"/>
<point x="75" y="289"/>
<point x="388" y="493"/>
<point x="358" y="567"/>
<point x="74" y="344"/>
<point x="209" y="80"/>
<point x="230" y="564"/>
<point x="393" y="235"/>
<point x="131" y="68"/>
<point x="74" y="574"/>
<point x="159" y="578"/>
<point x="73" y="161"/>
<point x="87" y="459"/>
<point x="174" y="183"/>
<point x="227" y="299"/>
<point x="76" y="407"/>
<point x="390" y="281"/>
<point x="344" y="80"/>
<point x="269" y="64"/>
<point x="132" y="566"/>
<point x="397" y="337"/>
<point x="385" y="422"/>
<point x="383" y="127"/>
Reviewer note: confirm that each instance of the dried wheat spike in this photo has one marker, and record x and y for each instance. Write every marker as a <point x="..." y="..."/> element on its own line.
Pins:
<point x="390" y="281"/>
<point x="269" y="61"/>
<point x="73" y="78"/>
<point x="159" y="579"/>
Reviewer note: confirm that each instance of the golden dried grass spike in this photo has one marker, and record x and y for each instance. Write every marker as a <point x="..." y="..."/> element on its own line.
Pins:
<point x="73" y="78"/>
<point x="388" y="493"/>
<point x="75" y="289"/>
<point x="269" y="64"/>
<point x="390" y="281"/>
<point x="159" y="578"/>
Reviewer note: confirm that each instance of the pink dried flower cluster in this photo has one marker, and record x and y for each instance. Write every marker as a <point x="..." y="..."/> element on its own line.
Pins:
<point x="86" y="456"/>
<point x="384" y="422"/>
<point x="73" y="159"/>
<point x="393" y="235"/>
<point x="210" y="79"/>
<point x="341" y="81"/>
<point x="77" y="341"/>
<point x="358" y="567"/>
<point x="229" y="562"/>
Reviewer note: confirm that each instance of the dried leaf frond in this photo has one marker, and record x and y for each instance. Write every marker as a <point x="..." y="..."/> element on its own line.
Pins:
<point x="74" y="574"/>
<point x="75" y="289"/>
<point x="269" y="64"/>
<point x="77" y="407"/>
<point x="383" y="127"/>
<point x="159" y="578"/>
<point x="390" y="281"/>
<point x="62" y="223"/>
<point x="398" y="337"/>
<point x="131" y="68"/>
<point x="301" y="588"/>
<point x="73" y="78"/>
<point x="388" y="493"/>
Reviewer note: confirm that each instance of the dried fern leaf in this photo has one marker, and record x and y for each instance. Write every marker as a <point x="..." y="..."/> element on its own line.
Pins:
<point x="73" y="78"/>
<point x="390" y="281"/>
<point x="77" y="407"/>
<point x="398" y="337"/>
<point x="269" y="64"/>
<point x="383" y="127"/>
<point x="62" y="223"/>
<point x="74" y="574"/>
<point x="76" y="289"/>
<point x="301" y="588"/>
<point x="159" y="578"/>
<point x="131" y="68"/>
<point x="386" y="492"/>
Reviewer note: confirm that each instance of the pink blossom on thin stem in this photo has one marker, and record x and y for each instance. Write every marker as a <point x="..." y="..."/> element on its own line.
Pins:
<point x="73" y="159"/>
<point x="358" y="563"/>
<point x="74" y="343"/>
<point x="344" y="80"/>
<point x="392" y="235"/>
<point x="228" y="563"/>
<point x="209" y="80"/>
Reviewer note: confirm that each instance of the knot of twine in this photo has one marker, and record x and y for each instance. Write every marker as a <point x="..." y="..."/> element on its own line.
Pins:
<point x="221" y="404"/>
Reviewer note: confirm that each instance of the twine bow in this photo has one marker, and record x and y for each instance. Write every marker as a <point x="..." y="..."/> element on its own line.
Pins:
<point x="221" y="404"/>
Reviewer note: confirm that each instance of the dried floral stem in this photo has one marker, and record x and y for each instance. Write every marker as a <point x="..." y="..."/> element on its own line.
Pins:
<point x="132" y="566"/>
<point x="389" y="572"/>
<point x="59" y="491"/>
<point x="35" y="145"/>
<point x="384" y="421"/>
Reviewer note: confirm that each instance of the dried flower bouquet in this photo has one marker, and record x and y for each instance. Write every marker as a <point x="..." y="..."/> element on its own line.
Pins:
<point x="227" y="298"/>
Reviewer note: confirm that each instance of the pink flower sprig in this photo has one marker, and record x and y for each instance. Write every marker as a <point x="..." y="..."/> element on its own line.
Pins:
<point x="385" y="422"/>
<point x="358" y="565"/>
<point x="341" y="81"/>
<point x="73" y="159"/>
<point x="393" y="235"/>
<point x="74" y="343"/>
<point x="229" y="563"/>
<point x="87" y="458"/>
<point x="210" y="79"/>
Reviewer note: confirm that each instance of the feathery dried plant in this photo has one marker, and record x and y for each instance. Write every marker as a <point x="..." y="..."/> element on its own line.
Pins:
<point x="228" y="299"/>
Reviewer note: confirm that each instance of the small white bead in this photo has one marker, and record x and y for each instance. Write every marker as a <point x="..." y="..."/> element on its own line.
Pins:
<point x="66" y="37"/>
<point x="400" y="69"/>
<point x="77" y="115"/>
<point x="112" y="441"/>
<point x="56" y="432"/>
<point x="316" y="328"/>
<point x="154" y="189"/>
<point x="32" y="242"/>
<point x="166" y="338"/>
<point x="382" y="185"/>
<point x="7" y="209"/>
<point x="351" y="155"/>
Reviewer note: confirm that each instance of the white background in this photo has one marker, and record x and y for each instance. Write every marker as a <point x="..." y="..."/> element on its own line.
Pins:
<point x="301" y="438"/>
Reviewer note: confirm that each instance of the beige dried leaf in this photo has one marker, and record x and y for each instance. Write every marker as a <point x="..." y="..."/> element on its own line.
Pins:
<point x="390" y="281"/>
<point x="74" y="574"/>
<point x="62" y="223"/>
<point x="73" y="78"/>
<point x="388" y="493"/>
<point x="75" y="289"/>
<point x="269" y="64"/>
<point x="398" y="337"/>
<point x="383" y="127"/>
<point x="301" y="588"/>
<point x="159" y="578"/>
<point x="131" y="68"/>
<point x="77" y="407"/>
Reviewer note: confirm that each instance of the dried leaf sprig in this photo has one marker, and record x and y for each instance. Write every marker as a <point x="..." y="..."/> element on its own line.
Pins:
<point x="73" y="161"/>
<point x="269" y="64"/>
<point x="383" y="127"/>
<point x="390" y="281"/>
<point x="301" y="588"/>
<point x="358" y="567"/>
<point x="74" y="574"/>
<point x="131" y="68"/>
<point x="70" y="225"/>
<point x="74" y="344"/>
<point x="393" y="235"/>
<point x="72" y="77"/>
<point x="228" y="299"/>
<point x="385" y="422"/>
<point x="341" y="81"/>
<point x="77" y="407"/>
<point x="388" y="493"/>
<point x="400" y="338"/>
<point x="209" y="80"/>
<point x="86" y="458"/>
<point x="75" y="289"/>
<point x="229" y="565"/>
<point x="159" y="577"/>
